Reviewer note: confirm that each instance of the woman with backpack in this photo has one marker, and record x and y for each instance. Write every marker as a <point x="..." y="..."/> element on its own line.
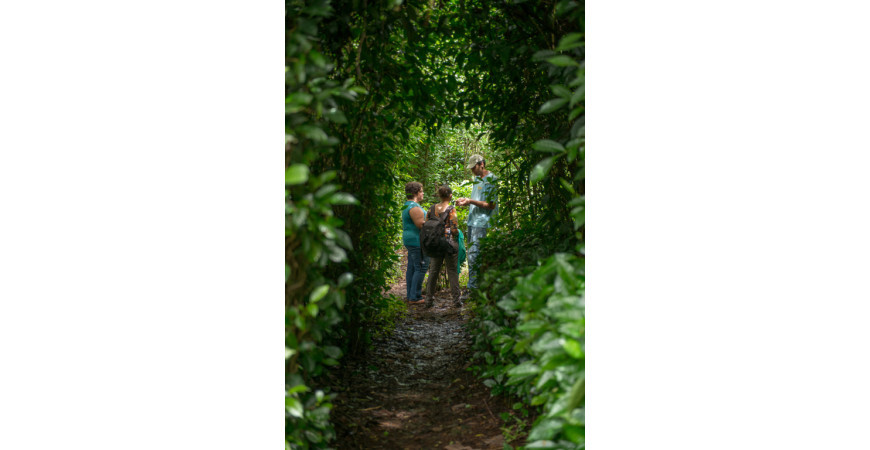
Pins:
<point x="412" y="220"/>
<point x="447" y="213"/>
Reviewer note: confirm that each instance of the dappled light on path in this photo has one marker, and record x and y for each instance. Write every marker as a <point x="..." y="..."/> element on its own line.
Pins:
<point x="413" y="389"/>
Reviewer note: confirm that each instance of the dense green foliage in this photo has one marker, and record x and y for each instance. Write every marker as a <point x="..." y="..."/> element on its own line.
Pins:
<point x="314" y="300"/>
<point x="530" y="326"/>
<point x="529" y="312"/>
<point x="380" y="93"/>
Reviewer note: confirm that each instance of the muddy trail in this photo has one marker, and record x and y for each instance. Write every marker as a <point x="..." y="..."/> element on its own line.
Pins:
<point x="412" y="390"/>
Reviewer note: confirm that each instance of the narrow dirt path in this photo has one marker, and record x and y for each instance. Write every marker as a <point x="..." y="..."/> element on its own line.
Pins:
<point x="412" y="390"/>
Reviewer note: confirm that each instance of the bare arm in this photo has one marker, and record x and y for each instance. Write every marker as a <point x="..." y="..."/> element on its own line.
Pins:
<point x="482" y="204"/>
<point x="479" y="203"/>
<point x="417" y="216"/>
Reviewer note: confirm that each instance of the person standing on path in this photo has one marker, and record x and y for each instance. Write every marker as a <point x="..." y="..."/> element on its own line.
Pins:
<point x="413" y="217"/>
<point x="451" y="233"/>
<point x="482" y="207"/>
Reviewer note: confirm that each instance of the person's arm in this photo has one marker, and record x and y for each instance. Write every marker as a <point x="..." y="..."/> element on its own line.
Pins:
<point x="479" y="203"/>
<point x="490" y="204"/>
<point x="417" y="216"/>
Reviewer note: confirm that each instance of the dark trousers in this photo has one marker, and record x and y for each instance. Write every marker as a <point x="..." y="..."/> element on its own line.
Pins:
<point x="452" y="276"/>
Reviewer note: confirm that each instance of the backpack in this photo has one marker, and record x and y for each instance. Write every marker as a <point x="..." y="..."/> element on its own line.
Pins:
<point x="432" y="239"/>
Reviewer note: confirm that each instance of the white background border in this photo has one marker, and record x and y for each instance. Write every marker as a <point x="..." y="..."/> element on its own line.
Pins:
<point x="140" y="241"/>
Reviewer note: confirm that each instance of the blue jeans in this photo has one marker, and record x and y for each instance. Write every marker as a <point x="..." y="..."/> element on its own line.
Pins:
<point x="417" y="266"/>
<point x="475" y="234"/>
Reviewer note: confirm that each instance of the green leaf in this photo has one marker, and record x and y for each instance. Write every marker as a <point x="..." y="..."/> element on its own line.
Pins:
<point x="335" y="116"/>
<point x="523" y="370"/>
<point x="542" y="54"/>
<point x="570" y="41"/>
<point x="325" y="190"/>
<point x="562" y="61"/>
<point x="538" y="400"/>
<point x="313" y="436"/>
<point x="552" y="105"/>
<point x="578" y="95"/>
<point x="345" y="279"/>
<point x="576" y="112"/>
<point x="296" y="174"/>
<point x="546" y="429"/>
<point x="579" y="215"/>
<point x="332" y="351"/>
<point x="547" y="145"/>
<point x="573" y="348"/>
<point x="541" y="169"/>
<point x="343" y="238"/>
<point x="298" y="98"/>
<point x="317" y="58"/>
<point x="336" y="253"/>
<point x="296" y="389"/>
<point x="294" y="407"/>
<point x="318" y="293"/>
<point x="532" y="326"/>
<point x="574" y="433"/>
<point x="343" y="198"/>
<point x="316" y="134"/>
<point x="560" y="91"/>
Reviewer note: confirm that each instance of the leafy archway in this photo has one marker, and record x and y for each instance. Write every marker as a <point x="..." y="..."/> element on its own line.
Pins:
<point x="384" y="92"/>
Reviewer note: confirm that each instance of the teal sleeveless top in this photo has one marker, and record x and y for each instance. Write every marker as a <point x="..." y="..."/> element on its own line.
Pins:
<point x="410" y="232"/>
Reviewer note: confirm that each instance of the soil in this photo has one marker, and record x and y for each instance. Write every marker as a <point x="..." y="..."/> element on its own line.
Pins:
<point x="412" y="389"/>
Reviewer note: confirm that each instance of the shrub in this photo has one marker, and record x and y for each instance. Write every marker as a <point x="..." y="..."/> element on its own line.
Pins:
<point x="529" y="325"/>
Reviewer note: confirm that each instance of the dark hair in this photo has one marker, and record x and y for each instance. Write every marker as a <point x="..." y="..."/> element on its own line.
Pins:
<point x="444" y="192"/>
<point x="412" y="188"/>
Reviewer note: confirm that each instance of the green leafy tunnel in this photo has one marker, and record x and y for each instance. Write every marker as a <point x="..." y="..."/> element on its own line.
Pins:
<point x="380" y="93"/>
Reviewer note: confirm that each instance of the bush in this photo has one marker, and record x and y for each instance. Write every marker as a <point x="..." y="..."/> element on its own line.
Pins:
<point x="314" y="239"/>
<point x="529" y="325"/>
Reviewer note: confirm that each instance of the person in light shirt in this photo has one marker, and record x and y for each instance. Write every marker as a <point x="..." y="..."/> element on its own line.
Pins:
<point x="482" y="207"/>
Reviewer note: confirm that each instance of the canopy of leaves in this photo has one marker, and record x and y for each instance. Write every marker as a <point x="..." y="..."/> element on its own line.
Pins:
<point x="382" y="92"/>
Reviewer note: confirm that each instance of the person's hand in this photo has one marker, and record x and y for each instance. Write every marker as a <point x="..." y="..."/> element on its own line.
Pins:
<point x="461" y="201"/>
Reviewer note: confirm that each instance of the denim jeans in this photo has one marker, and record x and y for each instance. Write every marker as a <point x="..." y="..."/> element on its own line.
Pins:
<point x="475" y="234"/>
<point x="417" y="266"/>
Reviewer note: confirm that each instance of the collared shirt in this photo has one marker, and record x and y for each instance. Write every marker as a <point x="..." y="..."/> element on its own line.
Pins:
<point x="483" y="190"/>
